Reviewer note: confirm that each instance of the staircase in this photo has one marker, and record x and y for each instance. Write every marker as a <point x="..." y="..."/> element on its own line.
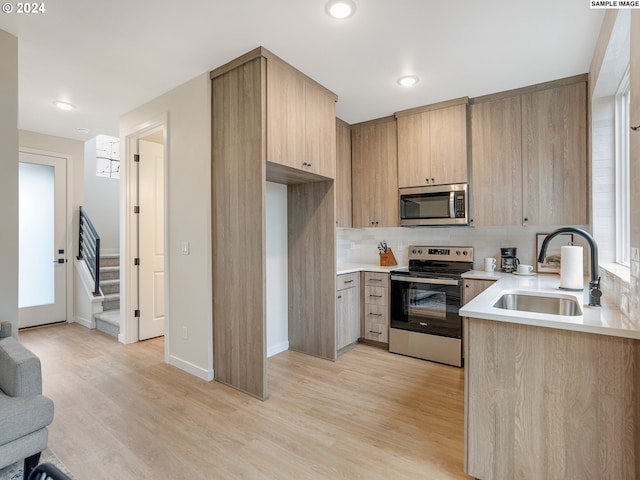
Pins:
<point x="108" y="321"/>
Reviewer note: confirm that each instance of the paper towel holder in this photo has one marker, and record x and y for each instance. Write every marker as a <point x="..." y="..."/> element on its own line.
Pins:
<point x="594" y="285"/>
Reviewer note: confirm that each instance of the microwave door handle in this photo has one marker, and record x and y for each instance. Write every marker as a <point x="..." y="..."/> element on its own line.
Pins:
<point x="452" y="205"/>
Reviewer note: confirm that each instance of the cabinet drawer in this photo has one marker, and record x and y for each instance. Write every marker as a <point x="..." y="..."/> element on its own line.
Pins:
<point x="347" y="280"/>
<point x="376" y="331"/>
<point x="376" y="313"/>
<point x="376" y="295"/>
<point x="376" y="279"/>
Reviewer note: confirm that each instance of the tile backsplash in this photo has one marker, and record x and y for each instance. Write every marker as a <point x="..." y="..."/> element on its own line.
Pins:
<point x="359" y="245"/>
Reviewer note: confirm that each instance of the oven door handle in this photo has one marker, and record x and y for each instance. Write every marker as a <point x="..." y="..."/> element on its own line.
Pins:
<point x="434" y="281"/>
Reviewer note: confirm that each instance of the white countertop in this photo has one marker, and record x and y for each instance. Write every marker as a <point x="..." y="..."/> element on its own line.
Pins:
<point x="365" y="267"/>
<point x="605" y="320"/>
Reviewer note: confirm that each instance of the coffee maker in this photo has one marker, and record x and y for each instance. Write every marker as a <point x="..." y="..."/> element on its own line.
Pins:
<point x="508" y="261"/>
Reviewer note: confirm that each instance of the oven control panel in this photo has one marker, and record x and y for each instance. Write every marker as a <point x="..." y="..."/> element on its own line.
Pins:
<point x="454" y="254"/>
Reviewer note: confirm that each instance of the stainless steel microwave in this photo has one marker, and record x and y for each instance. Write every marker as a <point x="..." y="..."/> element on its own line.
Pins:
<point x="438" y="205"/>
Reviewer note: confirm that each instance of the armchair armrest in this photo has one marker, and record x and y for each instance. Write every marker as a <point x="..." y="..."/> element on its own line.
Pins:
<point x="20" y="370"/>
<point x="5" y="329"/>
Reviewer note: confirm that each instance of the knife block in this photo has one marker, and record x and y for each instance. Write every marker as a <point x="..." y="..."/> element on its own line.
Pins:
<point x="388" y="259"/>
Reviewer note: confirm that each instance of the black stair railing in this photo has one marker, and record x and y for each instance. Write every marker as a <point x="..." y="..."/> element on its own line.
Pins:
<point x="90" y="248"/>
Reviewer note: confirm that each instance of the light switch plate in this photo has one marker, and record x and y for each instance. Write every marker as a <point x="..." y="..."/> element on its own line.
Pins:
<point x="185" y="248"/>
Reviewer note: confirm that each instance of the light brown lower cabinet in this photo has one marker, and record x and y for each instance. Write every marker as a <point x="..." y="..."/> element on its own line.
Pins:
<point x="375" y="324"/>
<point x="347" y="310"/>
<point x="472" y="288"/>
<point x="548" y="403"/>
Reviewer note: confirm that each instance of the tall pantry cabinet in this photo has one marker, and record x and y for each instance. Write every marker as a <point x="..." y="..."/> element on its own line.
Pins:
<point x="270" y="122"/>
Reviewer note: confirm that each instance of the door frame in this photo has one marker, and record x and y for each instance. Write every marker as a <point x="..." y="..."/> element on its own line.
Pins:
<point x="129" y="231"/>
<point x="69" y="219"/>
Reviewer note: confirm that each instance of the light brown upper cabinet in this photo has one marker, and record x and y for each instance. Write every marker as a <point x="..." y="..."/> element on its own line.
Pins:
<point x="529" y="155"/>
<point x="432" y="144"/>
<point x="301" y="121"/>
<point x="374" y="173"/>
<point x="343" y="175"/>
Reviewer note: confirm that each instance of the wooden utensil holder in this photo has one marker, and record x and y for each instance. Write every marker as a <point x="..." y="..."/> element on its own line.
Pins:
<point x="388" y="259"/>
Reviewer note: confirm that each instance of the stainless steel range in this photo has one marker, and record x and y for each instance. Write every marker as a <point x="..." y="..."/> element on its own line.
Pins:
<point x="425" y="299"/>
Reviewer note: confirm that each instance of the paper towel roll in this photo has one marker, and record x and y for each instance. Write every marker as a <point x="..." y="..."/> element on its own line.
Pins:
<point x="571" y="276"/>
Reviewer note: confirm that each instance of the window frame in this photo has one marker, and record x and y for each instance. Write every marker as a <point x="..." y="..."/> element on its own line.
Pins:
<point x="622" y="174"/>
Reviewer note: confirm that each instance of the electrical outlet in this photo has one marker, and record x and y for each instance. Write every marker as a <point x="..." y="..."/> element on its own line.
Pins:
<point x="185" y="332"/>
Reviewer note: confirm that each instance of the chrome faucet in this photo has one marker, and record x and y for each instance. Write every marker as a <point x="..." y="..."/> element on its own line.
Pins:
<point x="594" y="285"/>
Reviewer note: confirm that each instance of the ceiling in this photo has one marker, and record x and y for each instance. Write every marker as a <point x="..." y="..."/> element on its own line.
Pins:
<point x="108" y="58"/>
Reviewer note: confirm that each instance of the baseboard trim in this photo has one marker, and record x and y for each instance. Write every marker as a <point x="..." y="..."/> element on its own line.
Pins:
<point x="188" y="367"/>
<point x="276" y="349"/>
<point x="84" y="322"/>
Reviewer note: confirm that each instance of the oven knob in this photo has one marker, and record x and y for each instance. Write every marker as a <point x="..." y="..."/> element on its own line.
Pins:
<point x="457" y="252"/>
<point x="420" y="252"/>
<point x="465" y="253"/>
<point x="413" y="251"/>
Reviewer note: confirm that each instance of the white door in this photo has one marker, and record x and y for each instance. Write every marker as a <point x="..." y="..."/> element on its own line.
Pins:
<point x="151" y="239"/>
<point x="42" y="258"/>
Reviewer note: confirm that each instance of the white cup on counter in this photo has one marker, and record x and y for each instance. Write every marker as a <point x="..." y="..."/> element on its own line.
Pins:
<point x="525" y="269"/>
<point x="489" y="264"/>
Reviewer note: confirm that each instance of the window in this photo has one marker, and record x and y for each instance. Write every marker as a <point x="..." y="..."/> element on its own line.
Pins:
<point x="623" y="219"/>
<point x="107" y="156"/>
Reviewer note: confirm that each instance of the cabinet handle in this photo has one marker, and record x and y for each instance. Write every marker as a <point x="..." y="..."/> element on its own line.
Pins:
<point x="433" y="180"/>
<point x="348" y="281"/>
<point x="376" y="296"/>
<point x="377" y="333"/>
<point x="339" y="296"/>
<point x="376" y="314"/>
<point x="426" y="180"/>
<point x="526" y="219"/>
<point x="375" y="279"/>
<point x="636" y="128"/>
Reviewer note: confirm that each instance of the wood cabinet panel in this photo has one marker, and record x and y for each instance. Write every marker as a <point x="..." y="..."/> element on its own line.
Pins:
<point x="449" y="157"/>
<point x="548" y="403"/>
<point x="414" y="150"/>
<point x="285" y="103"/>
<point x="432" y="145"/>
<point x="300" y="121"/>
<point x="320" y="131"/>
<point x="239" y="326"/>
<point x="496" y="167"/>
<point x="343" y="175"/>
<point x="347" y="310"/>
<point x="554" y="156"/>
<point x="375" y="314"/>
<point x="375" y="173"/>
<point x="473" y="288"/>
<point x="529" y="156"/>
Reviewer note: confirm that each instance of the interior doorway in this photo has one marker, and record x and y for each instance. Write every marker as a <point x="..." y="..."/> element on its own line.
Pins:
<point x="43" y="267"/>
<point x="151" y="274"/>
<point x="144" y="299"/>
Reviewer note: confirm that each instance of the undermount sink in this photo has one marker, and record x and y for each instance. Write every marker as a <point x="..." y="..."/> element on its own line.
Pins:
<point x="551" y="304"/>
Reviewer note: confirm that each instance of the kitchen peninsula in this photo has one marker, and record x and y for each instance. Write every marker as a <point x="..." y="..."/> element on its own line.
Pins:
<point x="546" y="395"/>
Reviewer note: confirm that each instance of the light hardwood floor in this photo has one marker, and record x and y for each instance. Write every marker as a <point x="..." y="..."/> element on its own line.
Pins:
<point x="120" y="412"/>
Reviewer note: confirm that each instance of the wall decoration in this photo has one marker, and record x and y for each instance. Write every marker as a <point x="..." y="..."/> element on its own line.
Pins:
<point x="552" y="262"/>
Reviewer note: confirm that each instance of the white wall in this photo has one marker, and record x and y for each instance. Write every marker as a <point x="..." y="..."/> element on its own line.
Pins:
<point x="102" y="201"/>
<point x="189" y="296"/>
<point x="276" y="269"/>
<point x="9" y="179"/>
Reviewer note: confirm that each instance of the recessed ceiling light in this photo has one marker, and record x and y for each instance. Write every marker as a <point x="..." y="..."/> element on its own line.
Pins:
<point x="340" y="8"/>
<point x="408" y="80"/>
<point x="62" y="105"/>
<point x="83" y="130"/>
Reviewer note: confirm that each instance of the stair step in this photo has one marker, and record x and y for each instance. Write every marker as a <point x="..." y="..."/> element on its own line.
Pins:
<point x="109" y="260"/>
<point x="111" y="302"/>
<point x="109" y="322"/>
<point x="109" y="287"/>
<point x="109" y="273"/>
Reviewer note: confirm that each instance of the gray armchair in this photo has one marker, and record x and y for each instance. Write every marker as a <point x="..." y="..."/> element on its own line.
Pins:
<point x="24" y="412"/>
